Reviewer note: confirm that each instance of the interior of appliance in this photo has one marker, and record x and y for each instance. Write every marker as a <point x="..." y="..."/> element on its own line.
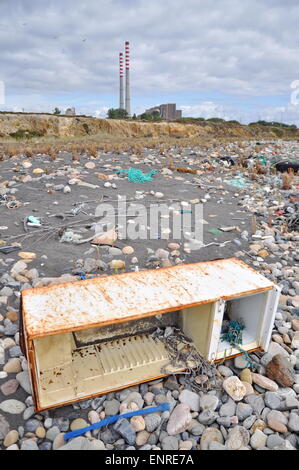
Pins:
<point x="248" y="311"/>
<point x="92" y="361"/>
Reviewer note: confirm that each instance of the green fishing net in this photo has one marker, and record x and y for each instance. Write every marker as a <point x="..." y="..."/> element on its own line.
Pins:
<point x="137" y="176"/>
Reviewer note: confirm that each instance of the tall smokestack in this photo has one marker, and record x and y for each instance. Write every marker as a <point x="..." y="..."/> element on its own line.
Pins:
<point x="121" y="81"/>
<point x="128" y="99"/>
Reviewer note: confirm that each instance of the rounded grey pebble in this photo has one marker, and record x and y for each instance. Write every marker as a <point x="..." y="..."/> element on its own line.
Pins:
<point x="62" y="423"/>
<point x="21" y="431"/>
<point x="274" y="440"/>
<point x="52" y="433"/>
<point x="29" y="401"/>
<point x="224" y="421"/>
<point x="248" y="422"/>
<point x="265" y="359"/>
<point x="143" y="388"/>
<point x="272" y="400"/>
<point x="265" y="413"/>
<point x="11" y="330"/>
<point x="208" y="402"/>
<point x="165" y="415"/>
<point x="30" y="411"/>
<point x="111" y="407"/>
<point x="268" y="431"/>
<point x="170" y="443"/>
<point x="45" y="446"/>
<point x="122" y="394"/>
<point x="119" y="442"/>
<point x="15" y="351"/>
<point x="243" y="411"/>
<point x="258" y="388"/>
<point x="160" y="399"/>
<point x="224" y="398"/>
<point x="153" y="438"/>
<point x="31" y="425"/>
<point x="257" y="403"/>
<point x="152" y="421"/>
<point x="48" y="423"/>
<point x="224" y="432"/>
<point x="29" y="444"/>
<point x="85" y="404"/>
<point x="108" y="436"/>
<point x="225" y="371"/>
<point x="110" y="396"/>
<point x="197" y="429"/>
<point x="207" y="417"/>
<point x="98" y="401"/>
<point x="293" y="423"/>
<point x="240" y="362"/>
<point x="228" y="409"/>
<point x="293" y="439"/>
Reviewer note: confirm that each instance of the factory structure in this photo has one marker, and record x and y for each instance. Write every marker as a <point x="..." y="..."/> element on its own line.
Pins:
<point x="125" y="103"/>
<point x="167" y="111"/>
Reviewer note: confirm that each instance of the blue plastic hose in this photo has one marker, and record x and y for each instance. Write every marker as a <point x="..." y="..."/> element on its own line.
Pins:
<point x="112" y="419"/>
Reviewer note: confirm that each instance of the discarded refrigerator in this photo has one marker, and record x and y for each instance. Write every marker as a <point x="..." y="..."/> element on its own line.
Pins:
<point x="91" y="337"/>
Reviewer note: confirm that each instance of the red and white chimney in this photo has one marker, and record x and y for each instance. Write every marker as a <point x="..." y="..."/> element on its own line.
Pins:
<point x="128" y="99"/>
<point x="121" y="81"/>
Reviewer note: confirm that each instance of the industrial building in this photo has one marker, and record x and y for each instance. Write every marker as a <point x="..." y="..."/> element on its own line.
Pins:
<point x="167" y="111"/>
<point x="70" y="112"/>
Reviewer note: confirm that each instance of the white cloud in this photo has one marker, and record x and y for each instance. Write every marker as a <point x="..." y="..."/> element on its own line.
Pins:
<point x="50" y="49"/>
<point x="207" y="109"/>
<point x="101" y="112"/>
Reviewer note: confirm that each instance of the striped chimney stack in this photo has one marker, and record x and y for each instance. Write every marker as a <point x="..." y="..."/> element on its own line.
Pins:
<point x="121" y="81"/>
<point x="128" y="99"/>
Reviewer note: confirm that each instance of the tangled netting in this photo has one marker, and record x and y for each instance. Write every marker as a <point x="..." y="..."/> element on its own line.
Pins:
<point x="136" y="176"/>
<point x="199" y="374"/>
<point x="234" y="336"/>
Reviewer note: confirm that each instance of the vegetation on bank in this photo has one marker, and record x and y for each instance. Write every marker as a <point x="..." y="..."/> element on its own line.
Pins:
<point x="25" y="134"/>
<point x="273" y="124"/>
<point x="152" y="117"/>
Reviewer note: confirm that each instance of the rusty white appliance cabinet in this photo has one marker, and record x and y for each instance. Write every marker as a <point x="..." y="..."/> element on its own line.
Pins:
<point x="90" y="337"/>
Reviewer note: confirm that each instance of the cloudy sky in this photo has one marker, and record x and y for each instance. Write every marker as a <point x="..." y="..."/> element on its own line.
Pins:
<point x="228" y="58"/>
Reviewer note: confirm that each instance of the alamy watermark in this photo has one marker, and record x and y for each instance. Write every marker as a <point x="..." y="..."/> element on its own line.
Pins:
<point x="137" y="221"/>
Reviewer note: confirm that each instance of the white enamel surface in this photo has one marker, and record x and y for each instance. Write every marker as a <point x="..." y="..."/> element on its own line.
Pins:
<point x="83" y="304"/>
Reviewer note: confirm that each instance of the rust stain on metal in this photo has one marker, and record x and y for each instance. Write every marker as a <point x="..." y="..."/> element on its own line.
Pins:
<point x="83" y="304"/>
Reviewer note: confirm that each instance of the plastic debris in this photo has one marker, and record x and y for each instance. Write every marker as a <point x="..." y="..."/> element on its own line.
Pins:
<point x="112" y="419"/>
<point x="214" y="231"/>
<point x="70" y="237"/>
<point x="33" y="220"/>
<point x="228" y="229"/>
<point x="238" y="182"/>
<point x="233" y="334"/>
<point x="137" y="176"/>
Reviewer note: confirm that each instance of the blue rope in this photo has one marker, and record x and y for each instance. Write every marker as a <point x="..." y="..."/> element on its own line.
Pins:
<point x="112" y="419"/>
<point x="233" y="335"/>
